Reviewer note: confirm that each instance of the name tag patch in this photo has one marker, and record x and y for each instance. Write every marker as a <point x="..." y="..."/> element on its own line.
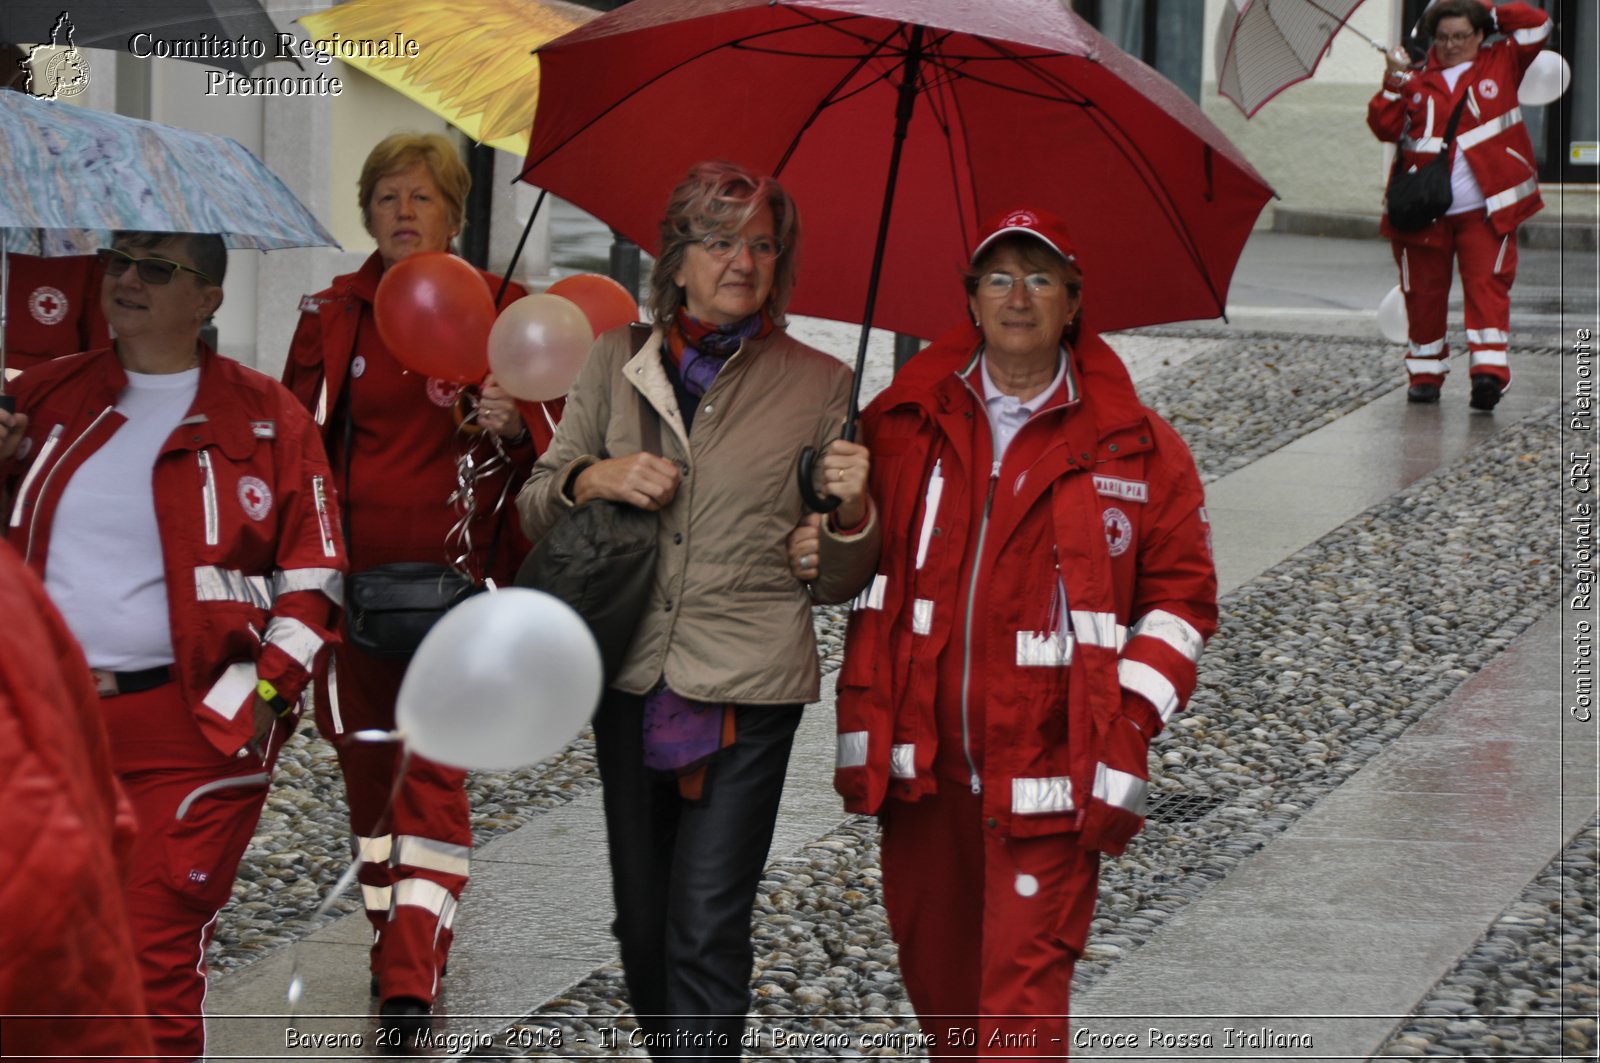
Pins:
<point x="1127" y="490"/>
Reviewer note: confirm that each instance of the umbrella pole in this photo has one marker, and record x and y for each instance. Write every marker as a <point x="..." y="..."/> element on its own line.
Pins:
<point x="516" y="256"/>
<point x="8" y="403"/>
<point x="902" y="122"/>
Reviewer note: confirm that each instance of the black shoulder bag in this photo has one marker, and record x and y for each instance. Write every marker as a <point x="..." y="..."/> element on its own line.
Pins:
<point x="1418" y="198"/>
<point x="600" y="557"/>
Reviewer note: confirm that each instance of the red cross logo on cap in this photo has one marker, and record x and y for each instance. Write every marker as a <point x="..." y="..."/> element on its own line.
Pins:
<point x="1021" y="217"/>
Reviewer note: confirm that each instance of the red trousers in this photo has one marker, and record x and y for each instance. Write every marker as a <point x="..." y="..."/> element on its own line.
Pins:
<point x="413" y="831"/>
<point x="196" y="810"/>
<point x="1488" y="265"/>
<point x="989" y="928"/>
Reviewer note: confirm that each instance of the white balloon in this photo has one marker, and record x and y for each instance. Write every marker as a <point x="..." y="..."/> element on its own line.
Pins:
<point x="1546" y="78"/>
<point x="506" y="679"/>
<point x="1392" y="319"/>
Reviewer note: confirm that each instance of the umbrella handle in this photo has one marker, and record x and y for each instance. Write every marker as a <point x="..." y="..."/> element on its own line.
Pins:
<point x="8" y="404"/>
<point x="803" y="471"/>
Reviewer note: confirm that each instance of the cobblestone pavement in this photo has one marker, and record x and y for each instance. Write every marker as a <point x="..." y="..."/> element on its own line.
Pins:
<point x="1322" y="661"/>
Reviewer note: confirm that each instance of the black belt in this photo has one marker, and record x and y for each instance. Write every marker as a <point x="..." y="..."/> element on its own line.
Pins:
<point x="110" y="684"/>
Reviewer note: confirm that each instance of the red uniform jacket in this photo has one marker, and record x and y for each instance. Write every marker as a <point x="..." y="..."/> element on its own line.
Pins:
<point x="65" y="950"/>
<point x="416" y="517"/>
<point x="52" y="309"/>
<point x="249" y="528"/>
<point x="1490" y="134"/>
<point x="1111" y="511"/>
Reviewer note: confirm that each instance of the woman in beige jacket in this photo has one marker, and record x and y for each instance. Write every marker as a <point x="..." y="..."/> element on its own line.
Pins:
<point x="693" y="737"/>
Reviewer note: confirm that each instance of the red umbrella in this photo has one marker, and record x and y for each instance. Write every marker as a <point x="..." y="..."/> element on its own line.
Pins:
<point x="897" y="125"/>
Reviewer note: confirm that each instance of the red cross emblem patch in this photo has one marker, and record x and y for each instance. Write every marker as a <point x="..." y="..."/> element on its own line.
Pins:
<point x="255" y="497"/>
<point x="48" y="305"/>
<point x="1119" y="531"/>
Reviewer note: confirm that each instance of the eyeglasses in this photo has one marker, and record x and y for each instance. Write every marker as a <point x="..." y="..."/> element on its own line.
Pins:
<point x="1454" y="38"/>
<point x="727" y="248"/>
<point x="999" y="285"/>
<point x="151" y="270"/>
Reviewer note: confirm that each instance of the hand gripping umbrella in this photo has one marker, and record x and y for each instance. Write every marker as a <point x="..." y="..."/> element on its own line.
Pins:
<point x="73" y="176"/>
<point x="955" y="110"/>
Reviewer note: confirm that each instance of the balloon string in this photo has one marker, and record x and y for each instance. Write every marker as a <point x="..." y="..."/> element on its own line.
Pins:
<point x="296" y="984"/>
<point x="470" y="471"/>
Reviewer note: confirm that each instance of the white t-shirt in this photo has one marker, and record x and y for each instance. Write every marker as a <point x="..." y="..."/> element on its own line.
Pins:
<point x="1465" y="194"/>
<point x="104" y="571"/>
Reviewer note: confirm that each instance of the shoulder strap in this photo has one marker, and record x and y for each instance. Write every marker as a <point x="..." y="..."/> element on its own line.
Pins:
<point x="1455" y="120"/>
<point x="649" y="423"/>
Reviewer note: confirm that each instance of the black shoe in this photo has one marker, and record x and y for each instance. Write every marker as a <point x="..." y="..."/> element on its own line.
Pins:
<point x="1424" y="393"/>
<point x="402" y="1021"/>
<point x="1486" y="392"/>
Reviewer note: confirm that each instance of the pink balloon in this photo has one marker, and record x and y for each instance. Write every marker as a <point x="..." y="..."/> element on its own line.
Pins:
<point x="537" y="346"/>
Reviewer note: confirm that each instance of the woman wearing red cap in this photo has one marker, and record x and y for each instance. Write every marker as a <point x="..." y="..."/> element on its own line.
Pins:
<point x="1044" y="591"/>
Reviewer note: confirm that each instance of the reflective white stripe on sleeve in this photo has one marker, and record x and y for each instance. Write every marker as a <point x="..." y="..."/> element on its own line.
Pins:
<point x="1487" y="336"/>
<point x="294" y="638"/>
<point x="1533" y="35"/>
<point x="319" y="496"/>
<point x="1493" y="127"/>
<point x="1044" y="649"/>
<point x="1098" y="629"/>
<point x="922" y="616"/>
<point x="852" y="750"/>
<point x="1120" y="789"/>
<point x="447" y="919"/>
<point x="432" y="854"/>
<point x="1440" y="366"/>
<point x="1428" y="350"/>
<point x="872" y="597"/>
<point x="1139" y="678"/>
<point x="421" y="893"/>
<point x="322" y="403"/>
<point x="1488" y="357"/>
<point x="903" y="760"/>
<point x="227" y="695"/>
<point x="374" y="850"/>
<point x="1035" y="797"/>
<point x="1172" y="629"/>
<point x="1501" y="200"/>
<point x="328" y="581"/>
<point x="1390" y="95"/>
<point x="213" y="584"/>
<point x="376" y="898"/>
<point x="1429" y="145"/>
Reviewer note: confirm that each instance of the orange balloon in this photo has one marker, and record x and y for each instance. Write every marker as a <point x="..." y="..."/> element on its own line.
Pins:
<point x="603" y="301"/>
<point x="434" y="312"/>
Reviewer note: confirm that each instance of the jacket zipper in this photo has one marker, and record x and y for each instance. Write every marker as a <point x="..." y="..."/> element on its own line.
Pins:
<point x="33" y="521"/>
<point x="966" y="656"/>
<point x="208" y="495"/>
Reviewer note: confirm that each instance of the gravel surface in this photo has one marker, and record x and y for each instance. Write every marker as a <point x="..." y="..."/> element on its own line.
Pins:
<point x="1322" y="661"/>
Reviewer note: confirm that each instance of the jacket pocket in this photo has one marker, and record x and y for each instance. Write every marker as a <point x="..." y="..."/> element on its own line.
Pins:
<point x="208" y="835"/>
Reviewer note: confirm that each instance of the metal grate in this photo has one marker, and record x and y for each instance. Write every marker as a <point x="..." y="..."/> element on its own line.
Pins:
<point x="1180" y="808"/>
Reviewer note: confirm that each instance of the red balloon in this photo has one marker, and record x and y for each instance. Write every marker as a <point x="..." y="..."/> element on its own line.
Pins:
<point x="434" y="312"/>
<point x="603" y="301"/>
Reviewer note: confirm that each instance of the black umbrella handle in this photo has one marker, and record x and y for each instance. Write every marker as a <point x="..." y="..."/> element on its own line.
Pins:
<point x="805" y="469"/>
<point x="8" y="404"/>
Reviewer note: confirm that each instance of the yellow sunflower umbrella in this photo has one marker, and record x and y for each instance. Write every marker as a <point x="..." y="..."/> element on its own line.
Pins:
<point x="473" y="65"/>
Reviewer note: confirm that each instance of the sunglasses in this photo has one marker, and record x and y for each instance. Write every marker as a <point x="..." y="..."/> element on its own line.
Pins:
<point x="151" y="270"/>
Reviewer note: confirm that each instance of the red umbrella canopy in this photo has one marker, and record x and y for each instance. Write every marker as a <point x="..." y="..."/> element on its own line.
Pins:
<point x="1016" y="103"/>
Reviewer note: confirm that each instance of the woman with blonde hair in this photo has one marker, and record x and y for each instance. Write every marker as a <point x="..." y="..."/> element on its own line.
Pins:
<point x="693" y="736"/>
<point x="393" y="442"/>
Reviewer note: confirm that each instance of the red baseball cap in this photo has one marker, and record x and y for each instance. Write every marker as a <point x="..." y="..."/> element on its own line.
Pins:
<point x="1040" y="224"/>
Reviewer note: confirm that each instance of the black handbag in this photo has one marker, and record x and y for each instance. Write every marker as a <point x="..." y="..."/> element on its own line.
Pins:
<point x="600" y="557"/>
<point x="1418" y="198"/>
<point x="390" y="608"/>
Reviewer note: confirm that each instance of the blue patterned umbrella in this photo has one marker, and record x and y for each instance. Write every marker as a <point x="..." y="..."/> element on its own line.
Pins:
<point x="72" y="176"/>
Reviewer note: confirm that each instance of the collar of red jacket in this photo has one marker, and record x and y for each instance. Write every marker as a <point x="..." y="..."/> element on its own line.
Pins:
<point x="932" y="379"/>
<point x="213" y="417"/>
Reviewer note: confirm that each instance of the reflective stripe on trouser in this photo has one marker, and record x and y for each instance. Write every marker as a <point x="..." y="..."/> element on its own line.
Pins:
<point x="425" y="837"/>
<point x="181" y="871"/>
<point x="1034" y="898"/>
<point x="1488" y="267"/>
